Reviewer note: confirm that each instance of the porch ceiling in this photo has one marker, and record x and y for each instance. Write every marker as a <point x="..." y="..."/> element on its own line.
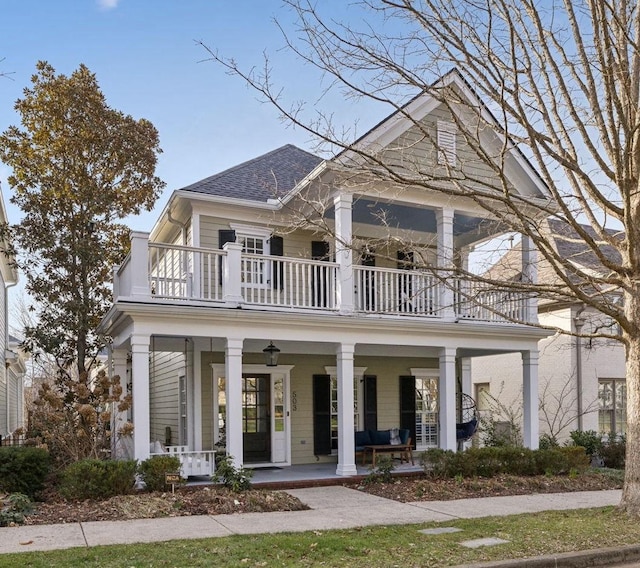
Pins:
<point x="414" y="218"/>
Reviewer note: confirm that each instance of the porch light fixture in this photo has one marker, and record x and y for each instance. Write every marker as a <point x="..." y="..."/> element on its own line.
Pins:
<point x="271" y="353"/>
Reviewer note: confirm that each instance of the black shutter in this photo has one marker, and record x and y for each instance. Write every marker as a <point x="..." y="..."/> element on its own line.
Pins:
<point x="224" y="236"/>
<point x="408" y="406"/>
<point x="277" y="267"/>
<point x="321" y="415"/>
<point x="370" y="402"/>
<point x="319" y="293"/>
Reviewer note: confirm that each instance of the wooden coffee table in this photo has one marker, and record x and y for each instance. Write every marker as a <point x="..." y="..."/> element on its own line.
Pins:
<point x="404" y="450"/>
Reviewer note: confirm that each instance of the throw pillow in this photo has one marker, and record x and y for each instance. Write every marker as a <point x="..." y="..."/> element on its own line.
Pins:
<point x="394" y="438"/>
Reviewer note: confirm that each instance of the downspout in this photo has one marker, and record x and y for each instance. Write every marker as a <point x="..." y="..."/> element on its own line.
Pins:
<point x="579" y="322"/>
<point x="183" y="226"/>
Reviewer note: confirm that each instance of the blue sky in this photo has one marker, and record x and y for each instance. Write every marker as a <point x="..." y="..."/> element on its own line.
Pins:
<point x="148" y="64"/>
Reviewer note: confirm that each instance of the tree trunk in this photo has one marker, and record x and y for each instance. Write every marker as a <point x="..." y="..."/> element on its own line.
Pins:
<point x="631" y="491"/>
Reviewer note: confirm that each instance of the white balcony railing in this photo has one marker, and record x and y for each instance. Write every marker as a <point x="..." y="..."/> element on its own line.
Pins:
<point x="231" y="277"/>
<point x="480" y="301"/>
<point x="289" y="282"/>
<point x="384" y="290"/>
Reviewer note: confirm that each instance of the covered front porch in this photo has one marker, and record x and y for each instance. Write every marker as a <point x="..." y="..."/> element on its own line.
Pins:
<point x="211" y="389"/>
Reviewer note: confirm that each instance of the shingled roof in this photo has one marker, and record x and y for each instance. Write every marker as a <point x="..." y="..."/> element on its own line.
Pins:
<point x="271" y="175"/>
<point x="571" y="246"/>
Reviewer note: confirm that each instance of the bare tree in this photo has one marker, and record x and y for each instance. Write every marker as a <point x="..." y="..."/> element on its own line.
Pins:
<point x="559" y="84"/>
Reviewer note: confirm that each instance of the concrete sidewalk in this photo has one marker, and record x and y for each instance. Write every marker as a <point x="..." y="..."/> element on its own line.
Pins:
<point x="332" y="507"/>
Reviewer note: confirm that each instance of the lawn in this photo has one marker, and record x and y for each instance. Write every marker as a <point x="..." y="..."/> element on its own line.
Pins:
<point x="371" y="547"/>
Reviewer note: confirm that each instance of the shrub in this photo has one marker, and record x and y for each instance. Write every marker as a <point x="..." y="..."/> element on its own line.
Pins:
<point x="613" y="453"/>
<point x="23" y="469"/>
<point x="382" y="472"/>
<point x="547" y="442"/>
<point x="153" y="470"/>
<point x="97" y="479"/>
<point x="489" y="462"/>
<point x="590" y="440"/>
<point x="235" y="478"/>
<point x="13" y="508"/>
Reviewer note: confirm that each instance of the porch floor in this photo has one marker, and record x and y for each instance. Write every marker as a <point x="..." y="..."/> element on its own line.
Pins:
<point x="310" y="474"/>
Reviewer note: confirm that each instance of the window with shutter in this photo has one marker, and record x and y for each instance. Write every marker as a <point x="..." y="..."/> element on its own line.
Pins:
<point x="446" y="143"/>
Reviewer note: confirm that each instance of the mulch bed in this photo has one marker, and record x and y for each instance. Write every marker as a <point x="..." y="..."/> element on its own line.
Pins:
<point x="216" y="500"/>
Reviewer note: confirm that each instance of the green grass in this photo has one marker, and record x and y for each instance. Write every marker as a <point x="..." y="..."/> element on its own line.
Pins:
<point x="371" y="547"/>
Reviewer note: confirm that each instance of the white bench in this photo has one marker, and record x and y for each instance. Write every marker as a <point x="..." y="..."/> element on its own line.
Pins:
<point x="192" y="463"/>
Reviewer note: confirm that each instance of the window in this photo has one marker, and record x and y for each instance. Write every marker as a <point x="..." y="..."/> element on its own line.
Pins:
<point x="446" y="144"/>
<point x="612" y="406"/>
<point x="182" y="385"/>
<point x="255" y="242"/>
<point x="426" y="407"/>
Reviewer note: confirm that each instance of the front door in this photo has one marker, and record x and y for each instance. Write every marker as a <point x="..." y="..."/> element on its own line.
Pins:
<point x="256" y="418"/>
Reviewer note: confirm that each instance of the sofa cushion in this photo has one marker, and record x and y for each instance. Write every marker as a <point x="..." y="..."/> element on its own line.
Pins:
<point x="380" y="437"/>
<point x="363" y="438"/>
<point x="404" y="436"/>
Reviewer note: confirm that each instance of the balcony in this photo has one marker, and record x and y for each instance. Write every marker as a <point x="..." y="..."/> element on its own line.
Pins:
<point x="229" y="278"/>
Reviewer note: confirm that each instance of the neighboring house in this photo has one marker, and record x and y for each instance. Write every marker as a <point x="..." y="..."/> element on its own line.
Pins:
<point x="11" y="363"/>
<point x="581" y="381"/>
<point x="288" y="252"/>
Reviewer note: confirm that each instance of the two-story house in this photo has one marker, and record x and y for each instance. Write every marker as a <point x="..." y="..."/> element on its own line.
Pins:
<point x="349" y="278"/>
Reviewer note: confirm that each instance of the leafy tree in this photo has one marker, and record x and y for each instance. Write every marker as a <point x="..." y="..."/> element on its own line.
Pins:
<point x="79" y="167"/>
<point x="561" y="82"/>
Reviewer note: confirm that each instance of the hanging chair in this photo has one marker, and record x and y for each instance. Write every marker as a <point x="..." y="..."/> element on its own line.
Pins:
<point x="467" y="424"/>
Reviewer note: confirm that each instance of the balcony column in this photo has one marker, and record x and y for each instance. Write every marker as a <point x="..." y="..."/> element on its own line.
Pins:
<point x="140" y="382"/>
<point x="531" y="424"/>
<point x="445" y="261"/>
<point x="233" y="392"/>
<point x="344" y="255"/>
<point x="120" y="448"/>
<point x="447" y="398"/>
<point x="196" y="257"/>
<point x="530" y="275"/>
<point x="232" y="274"/>
<point x="139" y="265"/>
<point x="346" y="429"/>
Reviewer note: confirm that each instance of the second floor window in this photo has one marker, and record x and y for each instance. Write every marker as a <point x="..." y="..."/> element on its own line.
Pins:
<point x="255" y="242"/>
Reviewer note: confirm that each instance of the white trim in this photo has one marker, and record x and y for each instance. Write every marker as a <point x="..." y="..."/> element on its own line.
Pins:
<point x="251" y="231"/>
<point x="427" y="372"/>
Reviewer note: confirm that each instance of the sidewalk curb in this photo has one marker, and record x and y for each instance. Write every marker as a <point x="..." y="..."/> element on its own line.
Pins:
<point x="581" y="559"/>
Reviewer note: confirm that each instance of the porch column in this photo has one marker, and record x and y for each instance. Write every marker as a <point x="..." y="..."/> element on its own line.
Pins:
<point x="344" y="255"/>
<point x="232" y="274"/>
<point x="139" y="265"/>
<point x="531" y="426"/>
<point x="233" y="392"/>
<point x="140" y="382"/>
<point x="195" y="407"/>
<point x="445" y="262"/>
<point x="530" y="274"/>
<point x="119" y="447"/>
<point x="467" y="386"/>
<point x="346" y="429"/>
<point x="447" y="398"/>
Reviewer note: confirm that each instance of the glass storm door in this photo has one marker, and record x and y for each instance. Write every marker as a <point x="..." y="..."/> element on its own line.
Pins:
<point x="256" y="418"/>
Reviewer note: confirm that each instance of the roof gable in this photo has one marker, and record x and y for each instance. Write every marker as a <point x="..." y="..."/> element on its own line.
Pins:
<point x="269" y="176"/>
<point x="518" y="169"/>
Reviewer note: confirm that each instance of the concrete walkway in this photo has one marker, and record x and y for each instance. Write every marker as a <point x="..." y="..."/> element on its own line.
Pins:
<point x="332" y="507"/>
